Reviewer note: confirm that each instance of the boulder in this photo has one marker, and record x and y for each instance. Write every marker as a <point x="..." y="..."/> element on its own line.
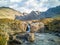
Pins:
<point x="31" y="37"/>
<point x="37" y="26"/>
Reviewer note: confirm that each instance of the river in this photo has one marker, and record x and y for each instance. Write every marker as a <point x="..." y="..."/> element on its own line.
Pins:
<point x="44" y="39"/>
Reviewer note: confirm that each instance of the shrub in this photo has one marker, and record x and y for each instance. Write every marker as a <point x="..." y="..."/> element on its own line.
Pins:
<point x="3" y="38"/>
<point x="55" y="26"/>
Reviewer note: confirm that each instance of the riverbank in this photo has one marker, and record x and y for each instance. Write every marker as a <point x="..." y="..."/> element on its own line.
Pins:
<point x="43" y="39"/>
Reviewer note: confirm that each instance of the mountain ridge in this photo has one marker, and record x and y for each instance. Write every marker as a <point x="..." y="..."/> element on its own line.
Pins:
<point x="6" y="12"/>
<point x="48" y="14"/>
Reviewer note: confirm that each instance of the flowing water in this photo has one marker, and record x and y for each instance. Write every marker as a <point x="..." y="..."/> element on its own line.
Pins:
<point x="44" y="39"/>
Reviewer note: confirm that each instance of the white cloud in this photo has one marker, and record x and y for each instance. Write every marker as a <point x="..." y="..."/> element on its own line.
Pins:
<point x="34" y="5"/>
<point x="30" y="5"/>
<point x="15" y="0"/>
<point x="43" y="5"/>
<point x="55" y="3"/>
<point x="14" y="6"/>
<point x="50" y="3"/>
<point x="4" y="3"/>
<point x="42" y="9"/>
<point x="24" y="9"/>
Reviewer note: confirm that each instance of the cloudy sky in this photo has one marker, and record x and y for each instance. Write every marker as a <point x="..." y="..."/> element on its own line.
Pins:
<point x="29" y="5"/>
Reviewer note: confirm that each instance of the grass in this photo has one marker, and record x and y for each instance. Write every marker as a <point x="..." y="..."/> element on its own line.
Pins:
<point x="6" y="12"/>
<point x="3" y="38"/>
<point x="11" y="26"/>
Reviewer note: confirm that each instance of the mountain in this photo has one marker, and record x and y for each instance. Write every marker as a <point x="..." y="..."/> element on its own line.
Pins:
<point x="34" y="15"/>
<point x="51" y="12"/>
<point x="6" y="12"/>
<point x="31" y="16"/>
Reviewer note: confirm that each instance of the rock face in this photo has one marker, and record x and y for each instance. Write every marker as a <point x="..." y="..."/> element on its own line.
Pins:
<point x="37" y="26"/>
<point x="23" y="26"/>
<point x="21" y="38"/>
<point x="12" y="27"/>
<point x="31" y="37"/>
<point x="34" y="27"/>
